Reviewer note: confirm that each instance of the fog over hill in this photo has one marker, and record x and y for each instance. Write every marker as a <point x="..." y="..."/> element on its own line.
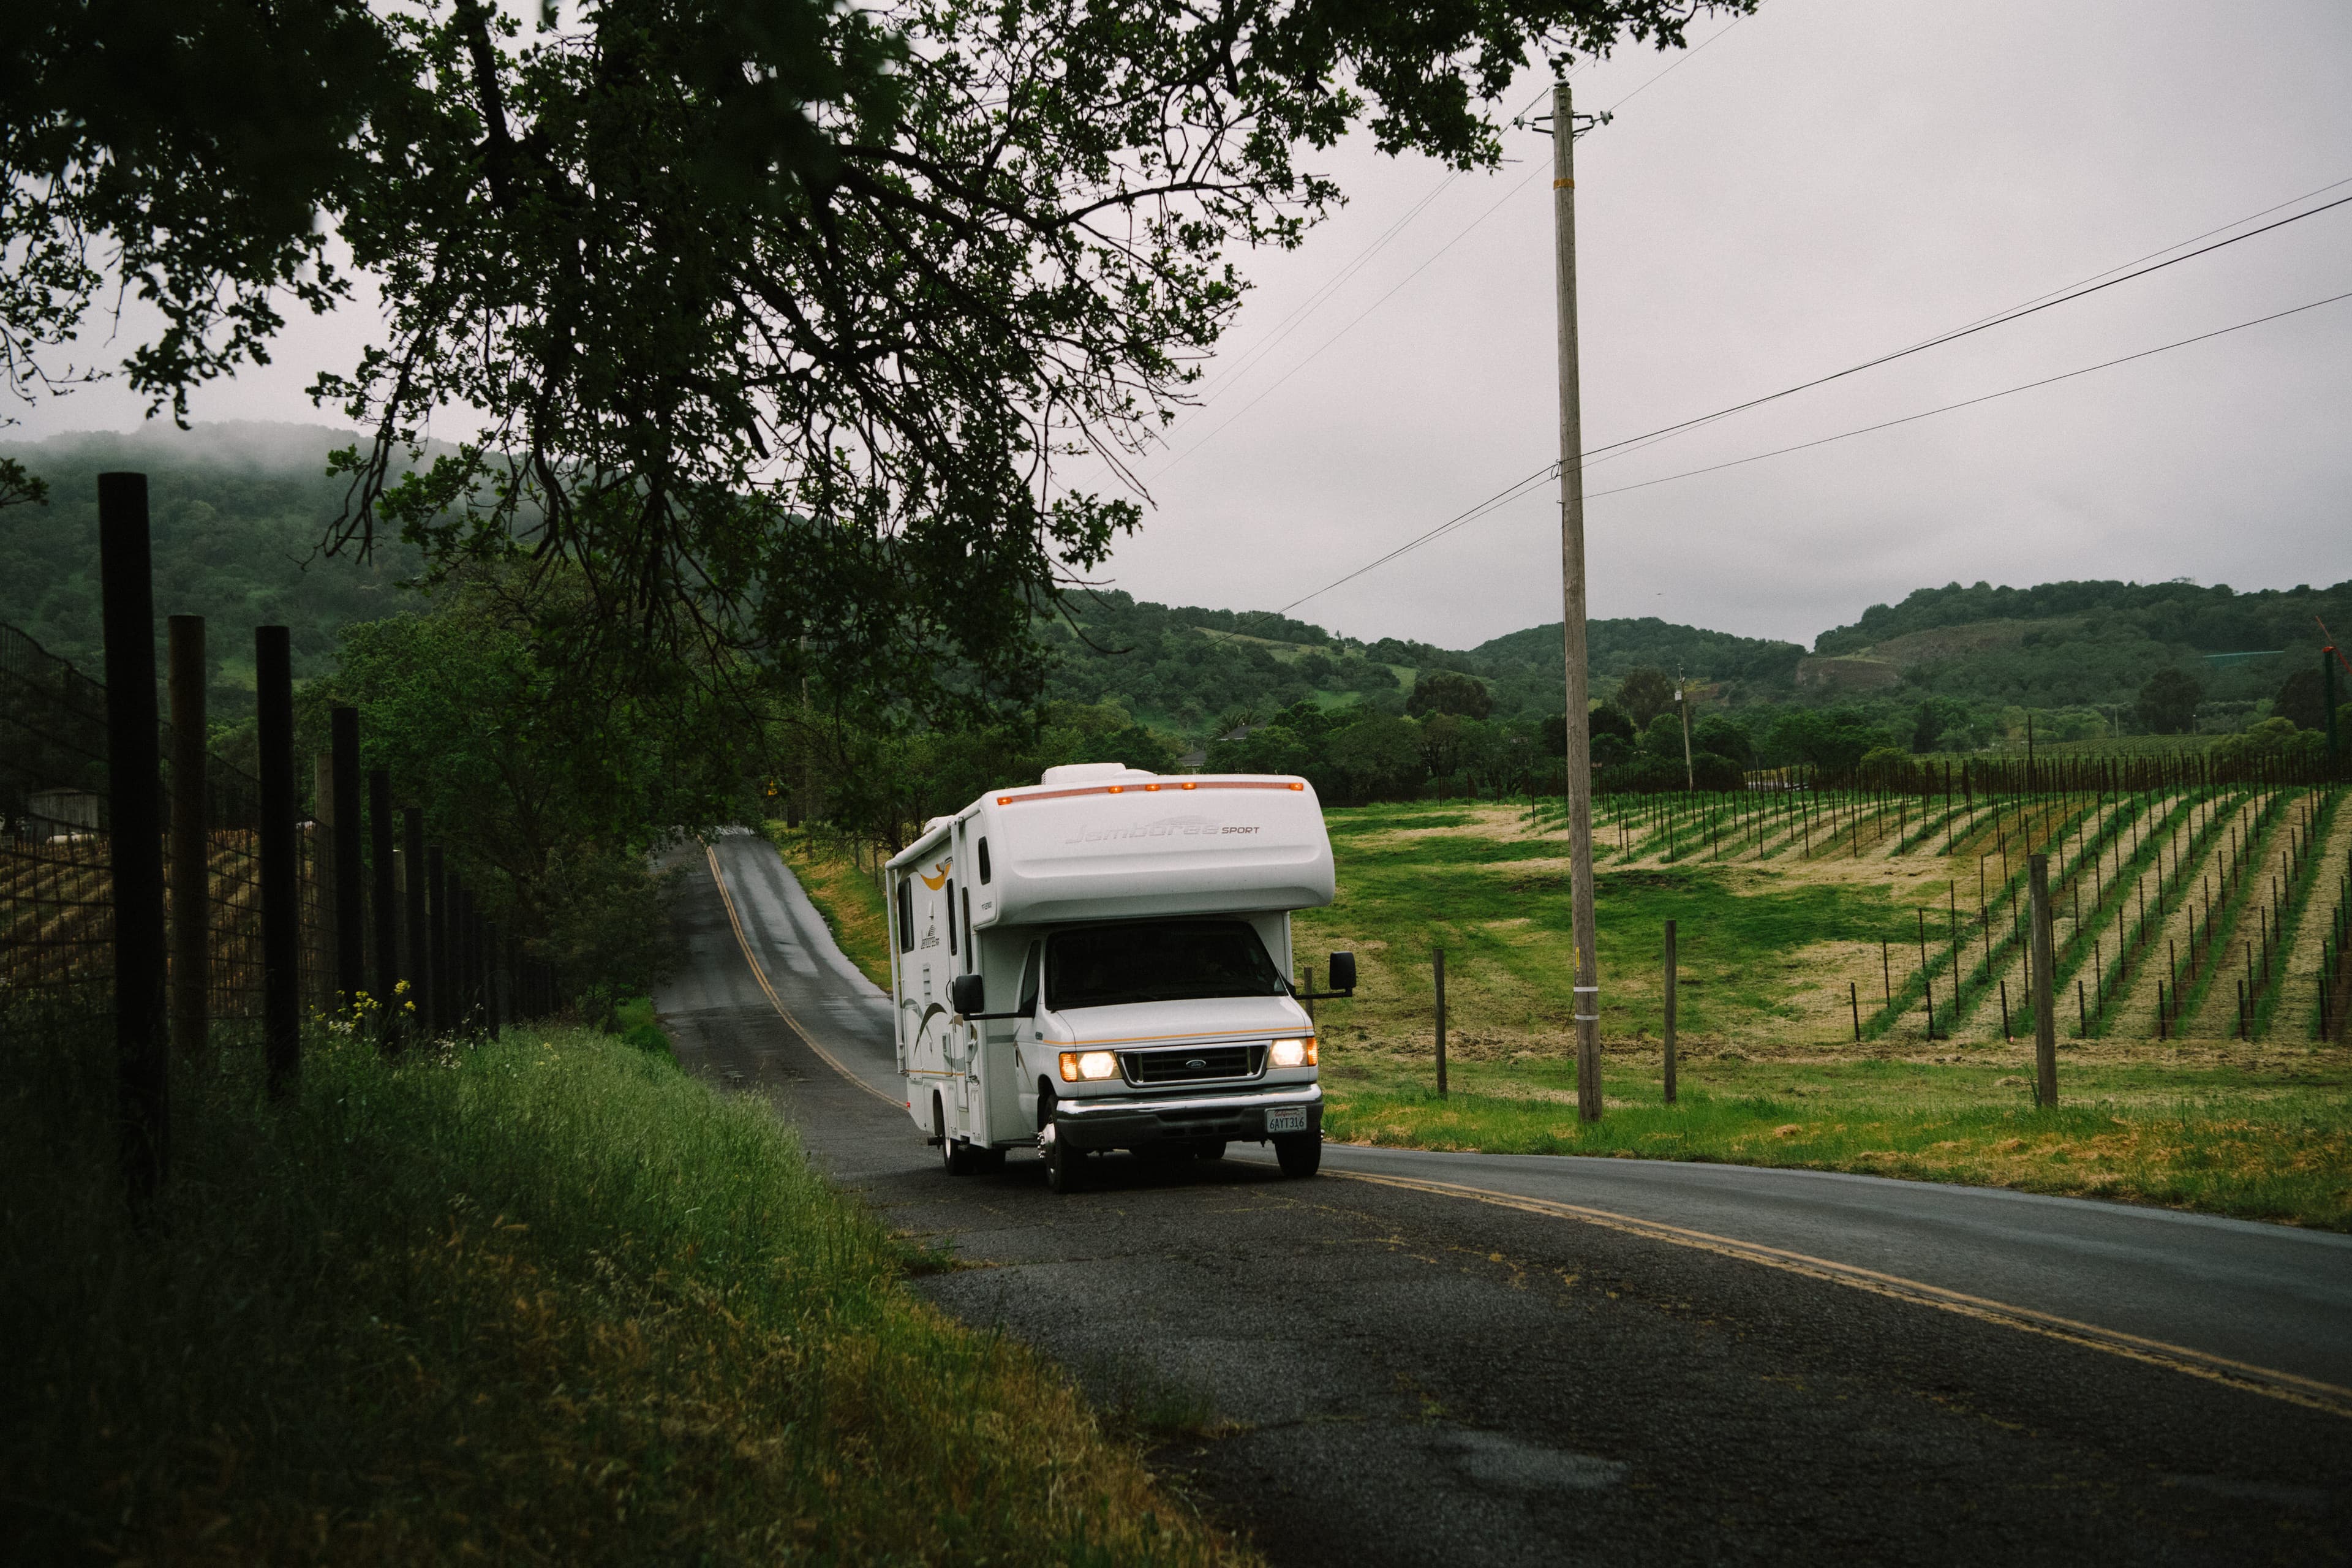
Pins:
<point x="239" y="509"/>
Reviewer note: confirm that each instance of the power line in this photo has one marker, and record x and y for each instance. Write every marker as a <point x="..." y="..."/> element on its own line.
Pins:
<point x="2063" y="297"/>
<point x="1972" y="402"/>
<point x="1550" y="470"/>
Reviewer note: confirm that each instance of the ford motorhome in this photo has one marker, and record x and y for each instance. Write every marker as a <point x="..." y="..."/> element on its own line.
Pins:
<point x="1102" y="960"/>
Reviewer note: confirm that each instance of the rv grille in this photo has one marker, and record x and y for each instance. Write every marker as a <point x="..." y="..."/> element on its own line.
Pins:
<point x="1191" y="1064"/>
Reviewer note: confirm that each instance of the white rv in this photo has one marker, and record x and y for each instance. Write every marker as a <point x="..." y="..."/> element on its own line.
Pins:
<point x="1102" y="960"/>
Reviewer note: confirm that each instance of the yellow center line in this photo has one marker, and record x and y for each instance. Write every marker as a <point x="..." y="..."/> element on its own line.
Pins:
<point x="760" y="974"/>
<point x="2309" y="1393"/>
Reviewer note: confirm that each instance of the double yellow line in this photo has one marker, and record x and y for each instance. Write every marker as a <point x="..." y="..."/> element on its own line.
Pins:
<point x="2309" y="1393"/>
<point x="760" y="974"/>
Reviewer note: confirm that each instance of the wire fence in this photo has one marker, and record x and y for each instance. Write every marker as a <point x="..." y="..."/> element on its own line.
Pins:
<point x="56" y="908"/>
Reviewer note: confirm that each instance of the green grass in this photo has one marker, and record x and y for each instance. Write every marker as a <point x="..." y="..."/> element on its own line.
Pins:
<point x="634" y="1021"/>
<point x="843" y="893"/>
<point x="1500" y="908"/>
<point x="550" y="1301"/>
<point x="2265" y="1135"/>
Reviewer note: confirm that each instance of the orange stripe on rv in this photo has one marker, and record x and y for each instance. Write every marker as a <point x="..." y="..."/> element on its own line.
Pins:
<point x="1122" y="789"/>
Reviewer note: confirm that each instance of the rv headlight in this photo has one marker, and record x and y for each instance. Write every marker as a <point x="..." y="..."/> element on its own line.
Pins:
<point x="1294" y="1053"/>
<point x="1092" y="1065"/>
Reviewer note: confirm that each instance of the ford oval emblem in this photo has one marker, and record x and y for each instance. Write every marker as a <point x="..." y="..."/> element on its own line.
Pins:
<point x="1198" y="1064"/>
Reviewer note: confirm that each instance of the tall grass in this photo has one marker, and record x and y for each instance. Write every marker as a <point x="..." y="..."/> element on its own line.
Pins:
<point x="544" y="1301"/>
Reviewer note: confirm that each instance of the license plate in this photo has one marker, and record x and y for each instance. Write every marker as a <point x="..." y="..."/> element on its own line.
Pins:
<point x="1286" y="1118"/>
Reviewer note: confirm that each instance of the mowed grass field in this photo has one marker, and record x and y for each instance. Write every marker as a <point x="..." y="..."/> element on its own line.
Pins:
<point x="1768" y="1072"/>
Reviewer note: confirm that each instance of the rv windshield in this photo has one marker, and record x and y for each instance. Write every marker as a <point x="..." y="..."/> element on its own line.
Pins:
<point x="1157" y="961"/>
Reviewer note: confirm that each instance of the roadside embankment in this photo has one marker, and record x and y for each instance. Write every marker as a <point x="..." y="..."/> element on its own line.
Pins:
<point x="546" y="1300"/>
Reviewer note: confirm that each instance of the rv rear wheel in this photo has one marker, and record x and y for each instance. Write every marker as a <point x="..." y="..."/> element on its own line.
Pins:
<point x="1301" y="1153"/>
<point x="955" y="1156"/>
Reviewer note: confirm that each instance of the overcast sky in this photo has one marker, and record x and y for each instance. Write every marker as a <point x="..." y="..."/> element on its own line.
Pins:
<point x="1821" y="182"/>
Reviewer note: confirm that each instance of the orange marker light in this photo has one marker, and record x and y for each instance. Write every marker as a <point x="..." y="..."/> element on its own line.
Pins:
<point x="1118" y="789"/>
<point x="1298" y="787"/>
<point x="1004" y="800"/>
<point x="1152" y="789"/>
<point x="1188" y="786"/>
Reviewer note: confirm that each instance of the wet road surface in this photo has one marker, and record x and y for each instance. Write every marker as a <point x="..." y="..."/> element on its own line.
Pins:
<point x="1526" y="1359"/>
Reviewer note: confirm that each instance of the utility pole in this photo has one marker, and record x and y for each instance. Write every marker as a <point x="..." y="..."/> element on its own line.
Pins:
<point x="1587" y="1011"/>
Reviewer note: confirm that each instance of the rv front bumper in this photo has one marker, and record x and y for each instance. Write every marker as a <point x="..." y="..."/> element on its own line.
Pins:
<point x="1136" y="1122"/>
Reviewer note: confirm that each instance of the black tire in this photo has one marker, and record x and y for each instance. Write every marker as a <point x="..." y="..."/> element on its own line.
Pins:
<point x="1301" y="1153"/>
<point x="955" y="1158"/>
<point x="1064" y="1164"/>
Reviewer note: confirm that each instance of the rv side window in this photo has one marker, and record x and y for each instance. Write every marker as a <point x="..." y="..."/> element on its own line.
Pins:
<point x="906" y="914"/>
<point x="952" y="919"/>
<point x="983" y="862"/>
<point x="966" y="922"/>
<point x="1028" y="1008"/>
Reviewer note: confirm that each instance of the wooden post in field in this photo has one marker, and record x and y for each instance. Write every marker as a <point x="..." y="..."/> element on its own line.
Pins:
<point x="1854" y="1000"/>
<point x="2045" y="1015"/>
<point x="1437" y="969"/>
<point x="192" y="960"/>
<point x="1671" y="1001"/>
<point x="1587" y="994"/>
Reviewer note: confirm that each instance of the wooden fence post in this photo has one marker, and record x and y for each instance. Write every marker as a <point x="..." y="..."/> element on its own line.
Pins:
<point x="384" y="899"/>
<point x="191" y="962"/>
<point x="135" y="837"/>
<point x="350" y="892"/>
<point x="281" y="871"/>
<point x="416" y="1022"/>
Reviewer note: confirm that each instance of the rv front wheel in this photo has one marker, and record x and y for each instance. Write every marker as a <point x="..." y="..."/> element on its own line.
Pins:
<point x="1301" y="1153"/>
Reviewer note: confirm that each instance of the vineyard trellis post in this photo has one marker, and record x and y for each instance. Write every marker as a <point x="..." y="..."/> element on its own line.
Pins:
<point x="192" y="963"/>
<point x="2045" y="1018"/>
<point x="1672" y="1001"/>
<point x="135" y="829"/>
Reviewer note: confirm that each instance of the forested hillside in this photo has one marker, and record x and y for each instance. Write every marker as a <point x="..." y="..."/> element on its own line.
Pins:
<point x="237" y="514"/>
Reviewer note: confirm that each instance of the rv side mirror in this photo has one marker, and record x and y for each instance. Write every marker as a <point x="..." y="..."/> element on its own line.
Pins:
<point x="1343" y="971"/>
<point x="968" y="994"/>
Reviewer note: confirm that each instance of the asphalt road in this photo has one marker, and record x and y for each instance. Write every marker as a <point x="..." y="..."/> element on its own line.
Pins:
<point x="1512" y="1359"/>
